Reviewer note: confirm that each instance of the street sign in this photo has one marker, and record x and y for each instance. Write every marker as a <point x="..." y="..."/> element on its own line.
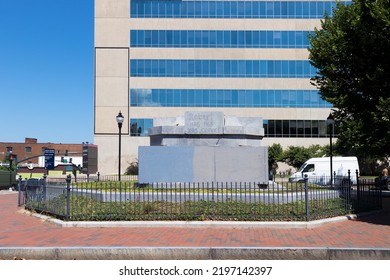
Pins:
<point x="49" y="159"/>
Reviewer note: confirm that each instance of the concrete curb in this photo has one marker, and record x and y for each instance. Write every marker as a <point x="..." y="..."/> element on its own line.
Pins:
<point x="194" y="253"/>
<point x="190" y="224"/>
<point x="5" y="192"/>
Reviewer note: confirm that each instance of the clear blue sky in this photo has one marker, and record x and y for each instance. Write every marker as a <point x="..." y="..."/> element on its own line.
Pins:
<point x="46" y="70"/>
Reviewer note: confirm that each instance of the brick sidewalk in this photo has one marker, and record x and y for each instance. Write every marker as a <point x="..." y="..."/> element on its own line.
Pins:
<point x="21" y="230"/>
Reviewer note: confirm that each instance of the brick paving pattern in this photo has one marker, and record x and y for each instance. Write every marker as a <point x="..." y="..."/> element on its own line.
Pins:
<point x="21" y="230"/>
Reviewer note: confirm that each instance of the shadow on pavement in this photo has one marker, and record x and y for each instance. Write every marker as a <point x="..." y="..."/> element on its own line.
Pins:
<point x="382" y="218"/>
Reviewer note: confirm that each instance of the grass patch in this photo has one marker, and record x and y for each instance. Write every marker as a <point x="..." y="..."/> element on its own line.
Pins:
<point x="84" y="208"/>
<point x="133" y="186"/>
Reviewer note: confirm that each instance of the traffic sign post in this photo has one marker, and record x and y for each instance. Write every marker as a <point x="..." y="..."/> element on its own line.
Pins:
<point x="49" y="159"/>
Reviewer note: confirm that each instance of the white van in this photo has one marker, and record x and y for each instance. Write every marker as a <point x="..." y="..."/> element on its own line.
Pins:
<point x="318" y="170"/>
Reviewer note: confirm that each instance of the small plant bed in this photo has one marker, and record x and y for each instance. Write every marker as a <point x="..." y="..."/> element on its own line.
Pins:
<point x="87" y="209"/>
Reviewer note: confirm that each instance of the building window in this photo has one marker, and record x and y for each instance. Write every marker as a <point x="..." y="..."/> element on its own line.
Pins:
<point x="297" y="128"/>
<point x="139" y="127"/>
<point x="27" y="149"/>
<point x="219" y="39"/>
<point x="226" y="98"/>
<point x="231" y="9"/>
<point x="221" y="68"/>
<point x="9" y="149"/>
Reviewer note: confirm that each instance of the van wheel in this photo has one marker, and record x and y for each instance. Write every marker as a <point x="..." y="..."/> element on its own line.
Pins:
<point x="388" y="185"/>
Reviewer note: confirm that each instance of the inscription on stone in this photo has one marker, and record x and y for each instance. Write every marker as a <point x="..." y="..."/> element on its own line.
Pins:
<point x="204" y="122"/>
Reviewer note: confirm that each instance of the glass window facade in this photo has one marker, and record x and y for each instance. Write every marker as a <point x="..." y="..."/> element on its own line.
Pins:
<point x="221" y="68"/>
<point x="272" y="128"/>
<point x="219" y="39"/>
<point x="139" y="127"/>
<point x="231" y="9"/>
<point x="226" y="98"/>
<point x="297" y="128"/>
<point x="170" y="37"/>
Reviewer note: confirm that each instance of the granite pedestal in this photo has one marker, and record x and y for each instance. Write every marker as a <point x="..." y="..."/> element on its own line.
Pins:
<point x="204" y="147"/>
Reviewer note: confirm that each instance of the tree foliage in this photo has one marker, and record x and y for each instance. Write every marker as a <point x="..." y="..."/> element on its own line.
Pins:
<point x="275" y="154"/>
<point x="351" y="53"/>
<point x="132" y="169"/>
<point x="7" y="161"/>
<point x="297" y="155"/>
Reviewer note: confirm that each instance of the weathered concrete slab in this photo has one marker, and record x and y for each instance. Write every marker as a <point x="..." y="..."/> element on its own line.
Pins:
<point x="203" y="164"/>
<point x="194" y="253"/>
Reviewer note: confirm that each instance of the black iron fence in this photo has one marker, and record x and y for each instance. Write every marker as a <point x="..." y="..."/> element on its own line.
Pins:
<point x="129" y="201"/>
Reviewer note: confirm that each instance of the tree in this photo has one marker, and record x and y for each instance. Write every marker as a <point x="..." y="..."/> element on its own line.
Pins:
<point x="297" y="155"/>
<point x="352" y="57"/>
<point x="275" y="154"/>
<point x="132" y="169"/>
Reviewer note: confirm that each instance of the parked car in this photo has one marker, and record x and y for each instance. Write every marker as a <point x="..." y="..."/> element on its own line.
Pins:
<point x="31" y="184"/>
<point x="383" y="182"/>
<point x="34" y="182"/>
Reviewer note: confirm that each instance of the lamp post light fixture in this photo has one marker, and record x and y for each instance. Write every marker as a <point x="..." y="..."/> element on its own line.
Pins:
<point x="119" y="120"/>
<point x="330" y="123"/>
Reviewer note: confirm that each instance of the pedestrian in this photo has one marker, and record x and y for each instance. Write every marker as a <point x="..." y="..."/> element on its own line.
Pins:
<point x="385" y="172"/>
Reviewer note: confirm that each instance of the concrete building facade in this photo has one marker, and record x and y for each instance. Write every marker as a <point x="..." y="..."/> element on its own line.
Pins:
<point x="245" y="58"/>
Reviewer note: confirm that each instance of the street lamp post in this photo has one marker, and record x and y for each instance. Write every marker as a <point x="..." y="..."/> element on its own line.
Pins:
<point x="119" y="120"/>
<point x="330" y="123"/>
<point x="10" y="170"/>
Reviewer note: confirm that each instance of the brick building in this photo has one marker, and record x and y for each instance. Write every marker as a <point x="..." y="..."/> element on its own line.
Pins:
<point x="31" y="150"/>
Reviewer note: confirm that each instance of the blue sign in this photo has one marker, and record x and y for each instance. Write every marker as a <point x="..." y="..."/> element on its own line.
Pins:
<point x="49" y="159"/>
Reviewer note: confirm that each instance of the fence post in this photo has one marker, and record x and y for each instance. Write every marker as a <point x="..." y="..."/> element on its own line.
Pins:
<point x="212" y="198"/>
<point x="348" y="189"/>
<point x="357" y="184"/>
<point x="19" y="190"/>
<point x="44" y="187"/>
<point x="68" y="180"/>
<point x="307" y="198"/>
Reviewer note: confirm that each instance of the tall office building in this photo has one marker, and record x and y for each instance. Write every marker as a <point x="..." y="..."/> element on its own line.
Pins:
<point x="161" y="58"/>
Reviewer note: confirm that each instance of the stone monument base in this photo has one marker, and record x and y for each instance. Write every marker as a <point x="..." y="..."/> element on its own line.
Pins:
<point x="202" y="164"/>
